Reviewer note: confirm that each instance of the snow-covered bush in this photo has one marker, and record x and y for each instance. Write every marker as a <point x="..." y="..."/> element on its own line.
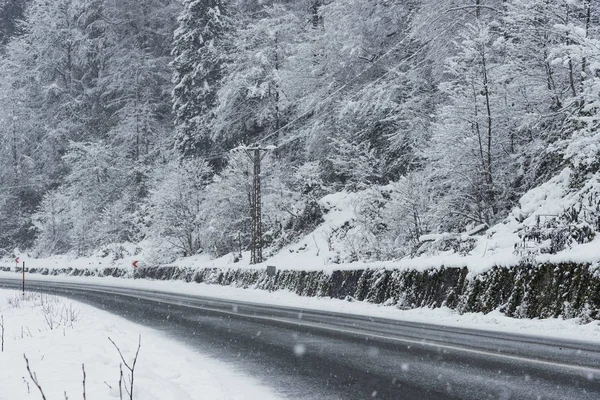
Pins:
<point x="388" y="221"/>
<point x="578" y="223"/>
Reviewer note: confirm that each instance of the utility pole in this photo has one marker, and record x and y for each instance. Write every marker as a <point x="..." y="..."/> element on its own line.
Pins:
<point x="256" y="155"/>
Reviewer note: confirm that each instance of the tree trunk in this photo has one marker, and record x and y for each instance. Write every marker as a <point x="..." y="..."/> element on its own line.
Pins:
<point x="488" y="172"/>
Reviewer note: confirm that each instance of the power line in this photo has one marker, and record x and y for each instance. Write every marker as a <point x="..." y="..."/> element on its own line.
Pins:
<point x="260" y="142"/>
<point x="21" y="186"/>
<point x="355" y="78"/>
<point x="394" y="69"/>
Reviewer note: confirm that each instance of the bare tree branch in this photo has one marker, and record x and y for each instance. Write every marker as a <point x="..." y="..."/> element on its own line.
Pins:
<point x="120" y="381"/>
<point x="34" y="377"/>
<point x="2" y="333"/>
<point x="83" y="370"/>
<point x="131" y="367"/>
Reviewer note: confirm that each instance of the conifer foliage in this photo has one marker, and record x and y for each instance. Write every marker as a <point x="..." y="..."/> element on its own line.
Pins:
<point x="199" y="55"/>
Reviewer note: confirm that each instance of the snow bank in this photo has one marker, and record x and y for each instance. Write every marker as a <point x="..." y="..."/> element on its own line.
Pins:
<point x="165" y="369"/>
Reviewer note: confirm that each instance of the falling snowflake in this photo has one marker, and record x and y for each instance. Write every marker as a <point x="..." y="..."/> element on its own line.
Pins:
<point x="299" y="350"/>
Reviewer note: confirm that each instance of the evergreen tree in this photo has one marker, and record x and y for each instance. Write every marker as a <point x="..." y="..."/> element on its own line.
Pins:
<point x="199" y="52"/>
<point x="11" y="12"/>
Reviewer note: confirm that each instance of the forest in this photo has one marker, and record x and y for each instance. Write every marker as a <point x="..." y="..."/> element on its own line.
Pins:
<point x="123" y="121"/>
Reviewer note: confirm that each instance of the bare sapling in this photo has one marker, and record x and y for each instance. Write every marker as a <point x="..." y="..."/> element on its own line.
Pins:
<point x="33" y="377"/>
<point x="49" y="312"/>
<point x="83" y="370"/>
<point x="69" y="315"/>
<point x="15" y="301"/>
<point x="130" y="367"/>
<point x="26" y="382"/>
<point x="120" y="381"/>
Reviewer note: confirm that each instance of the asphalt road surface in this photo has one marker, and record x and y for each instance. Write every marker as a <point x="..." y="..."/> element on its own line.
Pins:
<point x="305" y="354"/>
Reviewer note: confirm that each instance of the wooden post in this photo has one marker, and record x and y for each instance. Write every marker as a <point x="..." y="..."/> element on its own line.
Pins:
<point x="23" y="278"/>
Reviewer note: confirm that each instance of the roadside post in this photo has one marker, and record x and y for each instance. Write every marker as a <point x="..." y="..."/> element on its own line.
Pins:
<point x="271" y="272"/>
<point x="23" y="278"/>
<point x="135" y="266"/>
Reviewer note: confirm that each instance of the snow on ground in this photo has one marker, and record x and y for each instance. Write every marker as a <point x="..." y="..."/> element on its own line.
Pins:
<point x="318" y="249"/>
<point x="59" y="335"/>
<point x="571" y="329"/>
<point x="315" y="252"/>
<point x="495" y="247"/>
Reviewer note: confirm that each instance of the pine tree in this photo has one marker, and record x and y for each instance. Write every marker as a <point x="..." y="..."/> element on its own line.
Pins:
<point x="11" y="12"/>
<point x="199" y="54"/>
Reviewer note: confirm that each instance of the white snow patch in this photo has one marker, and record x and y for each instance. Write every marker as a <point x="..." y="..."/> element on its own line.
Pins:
<point x="165" y="370"/>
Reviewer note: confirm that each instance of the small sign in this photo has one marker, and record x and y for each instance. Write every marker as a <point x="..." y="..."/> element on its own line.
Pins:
<point x="271" y="270"/>
<point x="135" y="264"/>
<point x="17" y="260"/>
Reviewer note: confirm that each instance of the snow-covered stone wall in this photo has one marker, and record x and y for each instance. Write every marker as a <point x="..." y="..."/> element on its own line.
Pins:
<point x="547" y="290"/>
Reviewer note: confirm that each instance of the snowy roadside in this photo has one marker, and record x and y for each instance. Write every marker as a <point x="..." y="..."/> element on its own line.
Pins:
<point x="59" y="335"/>
<point x="571" y="329"/>
<point x="325" y="250"/>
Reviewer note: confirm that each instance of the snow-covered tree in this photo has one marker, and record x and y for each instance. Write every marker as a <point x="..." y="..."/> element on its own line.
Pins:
<point x="470" y="141"/>
<point x="54" y="224"/>
<point x="176" y="203"/>
<point x="252" y="101"/>
<point x="200" y="52"/>
<point x="11" y="12"/>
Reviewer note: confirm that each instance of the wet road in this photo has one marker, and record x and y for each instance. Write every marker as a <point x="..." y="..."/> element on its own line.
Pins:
<point x="307" y="354"/>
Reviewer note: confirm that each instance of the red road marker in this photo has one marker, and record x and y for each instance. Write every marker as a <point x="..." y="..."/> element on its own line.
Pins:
<point x="17" y="260"/>
<point x="135" y="264"/>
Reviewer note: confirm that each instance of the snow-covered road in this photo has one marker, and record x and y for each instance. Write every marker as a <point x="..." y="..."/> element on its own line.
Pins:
<point x="320" y="354"/>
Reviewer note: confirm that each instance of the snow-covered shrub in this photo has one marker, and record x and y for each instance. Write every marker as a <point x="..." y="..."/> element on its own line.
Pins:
<point x="446" y="242"/>
<point x="306" y="220"/>
<point x="387" y="221"/>
<point x="363" y="240"/>
<point x="555" y="234"/>
<point x="578" y="223"/>
<point x="308" y="181"/>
